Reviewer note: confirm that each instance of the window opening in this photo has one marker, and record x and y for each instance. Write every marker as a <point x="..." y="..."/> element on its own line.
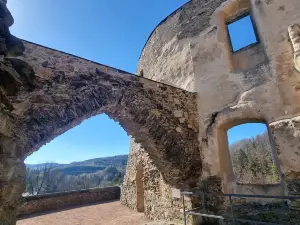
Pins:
<point x="242" y="33"/>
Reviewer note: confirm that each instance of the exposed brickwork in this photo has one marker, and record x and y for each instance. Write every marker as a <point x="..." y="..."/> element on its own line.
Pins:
<point x="69" y="90"/>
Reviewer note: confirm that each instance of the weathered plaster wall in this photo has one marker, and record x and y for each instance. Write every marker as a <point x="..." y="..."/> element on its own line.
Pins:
<point x="286" y="133"/>
<point x="41" y="203"/>
<point x="256" y="84"/>
<point x="190" y="49"/>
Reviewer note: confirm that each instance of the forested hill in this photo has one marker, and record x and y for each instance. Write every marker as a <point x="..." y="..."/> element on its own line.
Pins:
<point x="55" y="177"/>
<point x="87" y="166"/>
<point x="252" y="160"/>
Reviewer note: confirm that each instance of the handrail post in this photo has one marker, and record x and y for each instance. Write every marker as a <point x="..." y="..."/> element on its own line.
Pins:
<point x="203" y="204"/>
<point x="231" y="210"/>
<point x="183" y="206"/>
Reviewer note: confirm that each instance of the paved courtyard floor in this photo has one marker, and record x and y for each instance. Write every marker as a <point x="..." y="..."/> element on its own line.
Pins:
<point x="112" y="213"/>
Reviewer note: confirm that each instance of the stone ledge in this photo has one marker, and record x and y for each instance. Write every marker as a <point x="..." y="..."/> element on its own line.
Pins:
<point x="39" y="203"/>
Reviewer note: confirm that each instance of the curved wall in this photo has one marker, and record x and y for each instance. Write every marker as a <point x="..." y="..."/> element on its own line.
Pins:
<point x="167" y="55"/>
<point x="191" y="50"/>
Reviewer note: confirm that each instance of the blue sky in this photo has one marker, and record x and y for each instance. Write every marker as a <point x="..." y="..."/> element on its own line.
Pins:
<point x="96" y="137"/>
<point x="242" y="33"/>
<point x="243" y="131"/>
<point x="111" y="32"/>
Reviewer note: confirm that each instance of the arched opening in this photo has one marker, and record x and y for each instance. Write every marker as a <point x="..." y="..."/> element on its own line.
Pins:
<point x="254" y="133"/>
<point x="166" y="127"/>
<point x="90" y="155"/>
<point x="63" y="98"/>
<point x="140" y="198"/>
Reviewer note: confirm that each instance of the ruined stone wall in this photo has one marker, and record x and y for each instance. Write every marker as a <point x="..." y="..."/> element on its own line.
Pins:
<point x="69" y="89"/>
<point x="45" y="92"/>
<point x="191" y="50"/>
<point x="166" y="58"/>
<point x="158" y="200"/>
<point x="257" y="84"/>
<point x="41" y="203"/>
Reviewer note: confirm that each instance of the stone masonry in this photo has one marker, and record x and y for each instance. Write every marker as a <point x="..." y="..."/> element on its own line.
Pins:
<point x="54" y="201"/>
<point x="190" y="49"/>
<point x="69" y="90"/>
<point x="45" y="92"/>
<point x="192" y="89"/>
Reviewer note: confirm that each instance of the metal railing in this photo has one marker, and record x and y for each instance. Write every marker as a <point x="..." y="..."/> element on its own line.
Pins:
<point x="223" y="219"/>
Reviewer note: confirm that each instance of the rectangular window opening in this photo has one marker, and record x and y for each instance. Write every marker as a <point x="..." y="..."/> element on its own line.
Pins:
<point x="242" y="33"/>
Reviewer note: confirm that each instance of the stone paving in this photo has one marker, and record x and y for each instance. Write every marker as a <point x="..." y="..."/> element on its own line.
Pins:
<point x="112" y="213"/>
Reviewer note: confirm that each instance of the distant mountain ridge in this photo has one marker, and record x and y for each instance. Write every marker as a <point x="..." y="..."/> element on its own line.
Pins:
<point x="55" y="177"/>
<point x="42" y="165"/>
<point x="86" y="166"/>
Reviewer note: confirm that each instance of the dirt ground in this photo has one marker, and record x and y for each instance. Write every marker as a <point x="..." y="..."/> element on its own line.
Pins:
<point x="112" y="213"/>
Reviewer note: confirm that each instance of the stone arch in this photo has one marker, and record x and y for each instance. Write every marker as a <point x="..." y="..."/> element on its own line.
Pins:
<point x="67" y="90"/>
<point x="48" y="92"/>
<point x="74" y="89"/>
<point x="45" y="92"/>
<point x="139" y="181"/>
